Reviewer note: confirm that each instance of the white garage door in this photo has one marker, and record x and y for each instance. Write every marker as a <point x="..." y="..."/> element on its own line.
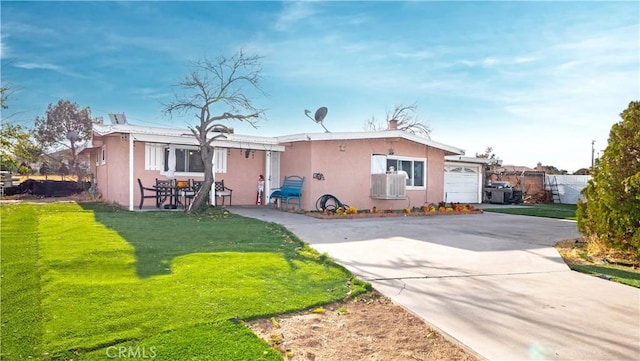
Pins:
<point x="461" y="183"/>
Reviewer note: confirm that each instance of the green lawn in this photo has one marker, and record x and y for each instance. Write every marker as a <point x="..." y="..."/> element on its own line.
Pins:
<point x="620" y="274"/>
<point x="562" y="211"/>
<point x="85" y="282"/>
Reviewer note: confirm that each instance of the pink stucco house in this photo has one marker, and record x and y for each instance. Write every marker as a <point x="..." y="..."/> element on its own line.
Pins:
<point x="354" y="166"/>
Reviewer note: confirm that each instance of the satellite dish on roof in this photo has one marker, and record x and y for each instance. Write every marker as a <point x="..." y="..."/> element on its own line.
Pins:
<point x="319" y="116"/>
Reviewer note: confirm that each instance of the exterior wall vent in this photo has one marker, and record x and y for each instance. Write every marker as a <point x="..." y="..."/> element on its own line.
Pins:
<point x="388" y="186"/>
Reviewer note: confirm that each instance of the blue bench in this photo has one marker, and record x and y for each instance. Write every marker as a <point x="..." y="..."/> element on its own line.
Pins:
<point x="291" y="189"/>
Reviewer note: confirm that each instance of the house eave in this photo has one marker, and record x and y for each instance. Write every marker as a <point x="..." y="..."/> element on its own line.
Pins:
<point x="185" y="137"/>
<point x="463" y="159"/>
<point x="386" y="134"/>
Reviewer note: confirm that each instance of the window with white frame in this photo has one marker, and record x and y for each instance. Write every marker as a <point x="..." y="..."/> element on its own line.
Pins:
<point x="414" y="167"/>
<point x="188" y="159"/>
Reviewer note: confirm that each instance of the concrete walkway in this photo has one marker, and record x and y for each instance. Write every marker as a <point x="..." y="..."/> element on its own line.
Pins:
<point x="491" y="282"/>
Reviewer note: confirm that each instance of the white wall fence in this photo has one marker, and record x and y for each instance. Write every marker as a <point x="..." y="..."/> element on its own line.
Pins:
<point x="569" y="186"/>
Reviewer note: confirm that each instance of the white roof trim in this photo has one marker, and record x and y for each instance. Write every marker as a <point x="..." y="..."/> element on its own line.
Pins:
<point x="369" y="135"/>
<point x="463" y="159"/>
<point x="185" y="137"/>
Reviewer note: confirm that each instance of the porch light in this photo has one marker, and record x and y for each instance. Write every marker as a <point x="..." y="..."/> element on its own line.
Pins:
<point x="342" y="147"/>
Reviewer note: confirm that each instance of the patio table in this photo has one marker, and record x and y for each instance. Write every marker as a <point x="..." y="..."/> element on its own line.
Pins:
<point x="167" y="191"/>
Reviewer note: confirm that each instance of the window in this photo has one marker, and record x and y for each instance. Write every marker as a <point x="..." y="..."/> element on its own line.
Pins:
<point x="415" y="168"/>
<point x="187" y="160"/>
<point x="220" y="160"/>
<point x="153" y="156"/>
<point x="103" y="155"/>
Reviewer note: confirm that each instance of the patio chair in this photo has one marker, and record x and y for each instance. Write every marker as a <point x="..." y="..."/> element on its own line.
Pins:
<point x="222" y="191"/>
<point x="144" y="195"/>
<point x="190" y="191"/>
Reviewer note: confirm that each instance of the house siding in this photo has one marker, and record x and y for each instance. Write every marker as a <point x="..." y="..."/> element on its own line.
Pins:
<point x="347" y="174"/>
<point x="344" y="160"/>
<point x="113" y="189"/>
<point x="242" y="175"/>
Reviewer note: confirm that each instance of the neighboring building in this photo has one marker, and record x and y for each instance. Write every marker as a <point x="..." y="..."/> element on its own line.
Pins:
<point x="346" y="165"/>
<point x="529" y="180"/>
<point x="569" y="187"/>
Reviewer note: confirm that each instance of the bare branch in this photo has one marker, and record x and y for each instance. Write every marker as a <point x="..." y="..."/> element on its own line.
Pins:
<point x="217" y="91"/>
<point x="407" y="118"/>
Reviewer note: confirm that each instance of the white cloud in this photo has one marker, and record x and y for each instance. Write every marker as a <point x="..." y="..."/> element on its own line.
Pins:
<point x="493" y="61"/>
<point x="45" y="66"/>
<point x="52" y="67"/>
<point x="620" y="38"/>
<point x="420" y="55"/>
<point x="4" y="48"/>
<point x="11" y="27"/>
<point x="152" y="93"/>
<point x="524" y="59"/>
<point x="293" y="13"/>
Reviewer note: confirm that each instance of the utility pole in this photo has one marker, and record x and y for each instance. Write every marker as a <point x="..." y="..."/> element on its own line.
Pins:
<point x="593" y="152"/>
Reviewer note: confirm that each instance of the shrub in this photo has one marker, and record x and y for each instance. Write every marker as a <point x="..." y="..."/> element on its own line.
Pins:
<point x="611" y="211"/>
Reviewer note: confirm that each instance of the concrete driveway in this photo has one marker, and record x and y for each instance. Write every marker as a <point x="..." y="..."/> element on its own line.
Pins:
<point x="492" y="282"/>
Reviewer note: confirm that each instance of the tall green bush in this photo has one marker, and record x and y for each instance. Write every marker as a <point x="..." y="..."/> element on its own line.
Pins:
<point x="611" y="211"/>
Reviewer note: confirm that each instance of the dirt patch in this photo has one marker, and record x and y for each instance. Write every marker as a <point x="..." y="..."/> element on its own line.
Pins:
<point x="577" y="251"/>
<point x="370" y="327"/>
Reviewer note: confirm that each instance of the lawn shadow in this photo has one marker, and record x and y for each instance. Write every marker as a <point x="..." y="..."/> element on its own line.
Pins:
<point x="159" y="237"/>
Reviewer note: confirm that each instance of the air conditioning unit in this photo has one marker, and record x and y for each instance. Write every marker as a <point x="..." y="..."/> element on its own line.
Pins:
<point x="388" y="186"/>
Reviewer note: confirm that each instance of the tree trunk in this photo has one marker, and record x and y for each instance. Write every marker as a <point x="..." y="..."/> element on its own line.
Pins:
<point x="203" y="193"/>
<point x="74" y="162"/>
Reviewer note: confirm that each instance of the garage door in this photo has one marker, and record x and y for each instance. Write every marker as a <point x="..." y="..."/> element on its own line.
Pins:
<point x="461" y="184"/>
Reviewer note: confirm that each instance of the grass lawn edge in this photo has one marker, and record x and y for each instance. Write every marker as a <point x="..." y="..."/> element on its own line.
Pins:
<point x="574" y="254"/>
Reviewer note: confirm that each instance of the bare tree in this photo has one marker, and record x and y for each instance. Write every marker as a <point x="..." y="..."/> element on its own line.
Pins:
<point x="220" y="84"/>
<point x="407" y="120"/>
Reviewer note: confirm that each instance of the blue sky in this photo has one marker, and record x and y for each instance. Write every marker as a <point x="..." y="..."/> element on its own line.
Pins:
<point x="537" y="81"/>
